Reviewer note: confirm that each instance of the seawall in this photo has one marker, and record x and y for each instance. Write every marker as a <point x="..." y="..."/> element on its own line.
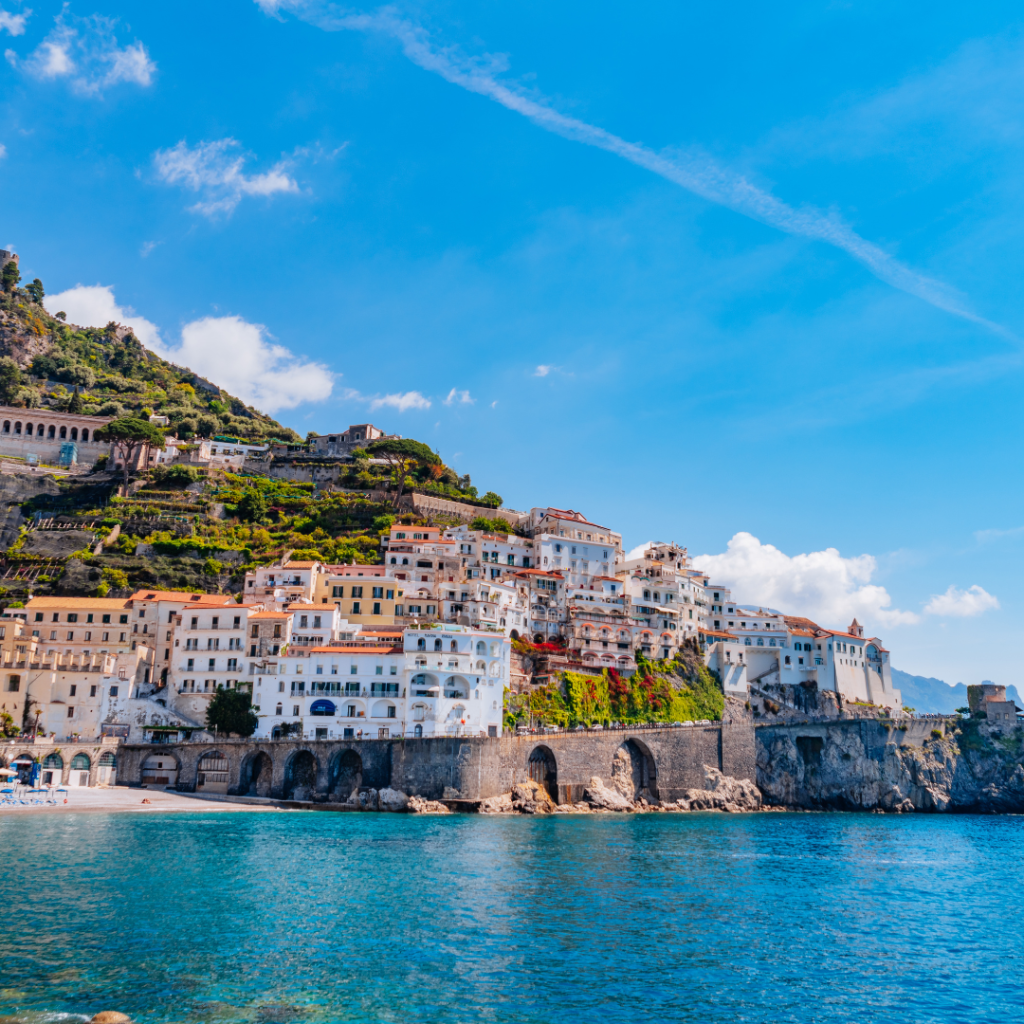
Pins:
<point x="670" y="760"/>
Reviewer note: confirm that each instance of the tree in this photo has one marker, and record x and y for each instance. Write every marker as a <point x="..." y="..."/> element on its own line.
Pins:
<point x="211" y="567"/>
<point x="61" y="315"/>
<point x="116" y="578"/>
<point x="207" y="426"/>
<point x="10" y="275"/>
<point x="75" y="403"/>
<point x="35" y="291"/>
<point x="10" y="380"/>
<point x="252" y="507"/>
<point x="230" y="711"/>
<point x="492" y="499"/>
<point x="130" y="435"/>
<point x="401" y="454"/>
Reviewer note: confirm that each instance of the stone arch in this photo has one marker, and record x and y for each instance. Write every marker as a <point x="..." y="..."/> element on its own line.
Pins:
<point x="212" y="772"/>
<point x="456" y="686"/>
<point x="542" y="768"/>
<point x="7" y="426"/>
<point x="346" y="775"/>
<point x="63" y="433"/>
<point x="17" y="426"/>
<point x="52" y="432"/>
<point x="85" y="434"/>
<point x="160" y="769"/>
<point x="74" y="433"/>
<point x="28" y="429"/>
<point x="300" y="776"/>
<point x="256" y="775"/>
<point x="634" y="771"/>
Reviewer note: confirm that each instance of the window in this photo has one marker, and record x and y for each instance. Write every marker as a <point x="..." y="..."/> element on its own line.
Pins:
<point x="394" y="670"/>
<point x="92" y="691"/>
<point x="378" y="591"/>
<point x="39" y="616"/>
<point x="255" y="631"/>
<point x="71" y="711"/>
<point x="340" y="591"/>
<point x="355" y="608"/>
<point x="316" y="621"/>
<point x="391" y="595"/>
<point x="352" y="670"/>
<point x="280" y="688"/>
<point x="123" y="619"/>
<point x="278" y="709"/>
<point x="106" y="618"/>
<point x="13" y="684"/>
<point x="357" y="591"/>
<point x="295" y="710"/>
<point x="113" y="691"/>
<point x="72" y="617"/>
<point x="216" y="622"/>
<point x="379" y="670"/>
<point x="190" y="664"/>
<point x="391" y="712"/>
<point x="71" y="635"/>
<point x="437" y="645"/>
<point x="232" y="664"/>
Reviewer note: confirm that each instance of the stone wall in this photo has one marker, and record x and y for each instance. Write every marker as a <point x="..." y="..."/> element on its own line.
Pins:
<point x="475" y="767"/>
<point x="93" y="749"/>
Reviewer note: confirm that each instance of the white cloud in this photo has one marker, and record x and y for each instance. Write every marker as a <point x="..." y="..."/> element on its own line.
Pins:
<point x="690" y="169"/>
<point x="401" y="402"/>
<point x="214" y="170"/>
<point x="230" y="351"/>
<point x="962" y="604"/>
<point x="638" y="551"/>
<point x="85" y="51"/>
<point x="821" y="585"/>
<point x="95" y="306"/>
<point x="494" y="404"/>
<point x="3" y="151"/>
<point x="13" y="23"/>
<point x="462" y="397"/>
<point x="542" y="371"/>
<point x="146" y="248"/>
<point x="239" y="357"/>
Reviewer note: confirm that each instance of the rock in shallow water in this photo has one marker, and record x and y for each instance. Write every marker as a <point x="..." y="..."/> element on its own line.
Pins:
<point x="110" y="1017"/>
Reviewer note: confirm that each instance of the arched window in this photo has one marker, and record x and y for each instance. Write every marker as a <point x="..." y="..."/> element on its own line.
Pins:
<point x="405" y="561"/>
<point x="80" y="763"/>
<point x="437" y="645"/>
<point x="85" y="434"/>
<point x="74" y="433"/>
<point x="63" y="433"/>
<point x="455" y="645"/>
<point x="421" y="644"/>
<point x="7" y="426"/>
<point x="394" y="561"/>
<point x="28" y="429"/>
<point x="277" y="711"/>
<point x="17" y="426"/>
<point x="481" y="647"/>
<point x="417" y="731"/>
<point x="52" y="432"/>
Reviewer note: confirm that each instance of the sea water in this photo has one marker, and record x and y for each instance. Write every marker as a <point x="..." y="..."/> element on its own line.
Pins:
<point x="318" y="917"/>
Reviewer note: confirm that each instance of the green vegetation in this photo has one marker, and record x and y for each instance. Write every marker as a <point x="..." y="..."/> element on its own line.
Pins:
<point x="230" y="711"/>
<point x="679" y="690"/>
<point x="130" y="434"/>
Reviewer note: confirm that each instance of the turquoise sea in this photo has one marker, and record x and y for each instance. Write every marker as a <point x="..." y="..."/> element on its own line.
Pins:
<point x="312" y="917"/>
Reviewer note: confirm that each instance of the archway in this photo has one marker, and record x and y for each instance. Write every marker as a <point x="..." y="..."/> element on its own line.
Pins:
<point x="300" y="776"/>
<point x="53" y="767"/>
<point x="543" y="769"/>
<point x="256" y="776"/>
<point x="346" y="776"/>
<point x="160" y="770"/>
<point x="79" y="775"/>
<point x="634" y="772"/>
<point x="212" y="773"/>
<point x="107" y="767"/>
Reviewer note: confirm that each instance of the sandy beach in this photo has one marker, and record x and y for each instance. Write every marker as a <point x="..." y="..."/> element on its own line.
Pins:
<point x="124" y="799"/>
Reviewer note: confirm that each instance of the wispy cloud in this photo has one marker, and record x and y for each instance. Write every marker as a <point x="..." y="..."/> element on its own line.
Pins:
<point x="238" y="355"/>
<point x="13" y="23"/>
<point x="401" y="401"/>
<point x="460" y="397"/>
<point x="689" y="168"/>
<point x="147" y="247"/>
<point x="962" y="604"/>
<point x="86" y="52"/>
<point x="542" y="371"/>
<point x="984" y="536"/>
<point x="214" y="170"/>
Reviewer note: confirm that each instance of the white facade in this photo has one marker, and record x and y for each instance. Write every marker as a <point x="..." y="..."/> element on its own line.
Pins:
<point x="445" y="681"/>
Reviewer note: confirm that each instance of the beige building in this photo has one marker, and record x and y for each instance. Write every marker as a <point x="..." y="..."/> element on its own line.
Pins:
<point x="42" y="433"/>
<point x="81" y="625"/>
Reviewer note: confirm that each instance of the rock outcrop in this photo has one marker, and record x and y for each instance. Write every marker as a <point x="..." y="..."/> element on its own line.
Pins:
<point x="872" y="765"/>
<point x="606" y="798"/>
<point x="392" y="800"/>
<point x="720" y="793"/>
<point x="417" y="805"/>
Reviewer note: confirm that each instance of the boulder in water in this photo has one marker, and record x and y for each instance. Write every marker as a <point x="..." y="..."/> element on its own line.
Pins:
<point x="392" y="799"/>
<point x="110" y="1017"/>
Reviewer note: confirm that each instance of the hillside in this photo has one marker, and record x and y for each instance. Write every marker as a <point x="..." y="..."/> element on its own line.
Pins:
<point x="934" y="697"/>
<point x="180" y="528"/>
<point x="45" y="362"/>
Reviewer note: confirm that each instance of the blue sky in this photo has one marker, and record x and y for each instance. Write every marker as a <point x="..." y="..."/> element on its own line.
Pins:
<point x="706" y="275"/>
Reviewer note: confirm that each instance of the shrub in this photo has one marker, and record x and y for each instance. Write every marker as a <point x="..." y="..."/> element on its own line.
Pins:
<point x="937" y="734"/>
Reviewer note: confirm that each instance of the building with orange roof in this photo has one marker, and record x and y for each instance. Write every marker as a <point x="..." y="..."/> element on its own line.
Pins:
<point x="283" y="583"/>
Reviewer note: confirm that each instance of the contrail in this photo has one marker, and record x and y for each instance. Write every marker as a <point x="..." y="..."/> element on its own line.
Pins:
<point x="695" y="173"/>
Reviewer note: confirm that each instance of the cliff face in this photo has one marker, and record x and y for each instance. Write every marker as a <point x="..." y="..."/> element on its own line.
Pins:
<point x="24" y="336"/>
<point x="864" y="765"/>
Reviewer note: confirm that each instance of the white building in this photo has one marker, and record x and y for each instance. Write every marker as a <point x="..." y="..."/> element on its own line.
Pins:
<point x="444" y="681"/>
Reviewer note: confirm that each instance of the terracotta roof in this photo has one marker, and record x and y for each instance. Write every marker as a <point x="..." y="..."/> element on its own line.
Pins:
<point x="802" y="632"/>
<point x="296" y="606"/>
<point x="852" y="636"/>
<point x="299" y="565"/>
<point x="355" y="650"/>
<point x="718" y="632"/>
<point x="537" y="572"/>
<point x="177" y="595"/>
<point x="269" y="615"/>
<point x="78" y="602"/>
<point x="800" y="622"/>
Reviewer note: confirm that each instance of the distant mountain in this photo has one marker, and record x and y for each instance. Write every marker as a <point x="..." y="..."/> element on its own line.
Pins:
<point x="934" y="697"/>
